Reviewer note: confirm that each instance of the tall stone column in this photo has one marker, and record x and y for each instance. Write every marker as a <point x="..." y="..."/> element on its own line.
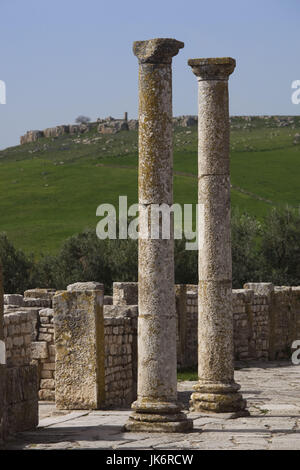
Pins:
<point x="2" y="364"/>
<point x="156" y="408"/>
<point x="216" y="389"/>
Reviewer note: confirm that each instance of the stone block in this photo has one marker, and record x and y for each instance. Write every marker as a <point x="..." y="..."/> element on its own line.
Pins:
<point x="46" y="374"/>
<point x="21" y="399"/>
<point x="39" y="294"/>
<point x="39" y="350"/>
<point x="125" y="293"/>
<point x="49" y="366"/>
<point x="13" y="299"/>
<point x="45" y="337"/>
<point x="78" y="286"/>
<point x="31" y="302"/>
<point x="47" y="395"/>
<point x="260" y="288"/>
<point x="47" y="383"/>
<point x="79" y="341"/>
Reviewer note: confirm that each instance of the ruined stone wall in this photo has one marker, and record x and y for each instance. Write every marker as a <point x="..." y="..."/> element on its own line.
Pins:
<point x="284" y="321"/>
<point x="21" y="390"/>
<point x="43" y="354"/>
<point x="32" y="326"/>
<point x="29" y="336"/>
<point x="120" y="336"/>
<point x="18" y="336"/>
<point x="111" y="126"/>
<point x="191" y="342"/>
<point x="251" y="325"/>
<point x="266" y="320"/>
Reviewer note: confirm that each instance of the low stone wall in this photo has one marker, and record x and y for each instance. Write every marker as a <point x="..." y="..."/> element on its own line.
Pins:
<point x="266" y="320"/>
<point x="36" y="326"/>
<point x="191" y="339"/>
<point x="29" y="336"/>
<point x="284" y="321"/>
<point x="251" y="325"/>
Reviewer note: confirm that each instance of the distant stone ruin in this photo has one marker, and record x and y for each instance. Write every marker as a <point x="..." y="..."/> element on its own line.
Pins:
<point x="111" y="125"/>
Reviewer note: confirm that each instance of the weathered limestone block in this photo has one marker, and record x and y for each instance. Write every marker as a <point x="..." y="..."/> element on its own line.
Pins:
<point x="13" y="299"/>
<point x="46" y="294"/>
<point x="156" y="408"/>
<point x="47" y="384"/>
<point x="79" y="341"/>
<point x="47" y="395"/>
<point x="267" y="289"/>
<point x="39" y="350"/>
<point x="260" y="288"/>
<point x="21" y="398"/>
<point x="181" y="313"/>
<point x="125" y="293"/>
<point x="121" y="311"/>
<point x="85" y="286"/>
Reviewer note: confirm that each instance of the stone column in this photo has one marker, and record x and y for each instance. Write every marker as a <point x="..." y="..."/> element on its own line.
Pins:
<point x="2" y="362"/>
<point x="79" y="341"/>
<point x="156" y="408"/>
<point x="216" y="389"/>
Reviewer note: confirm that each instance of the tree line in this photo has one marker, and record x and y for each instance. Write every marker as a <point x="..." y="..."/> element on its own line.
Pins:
<point x="265" y="250"/>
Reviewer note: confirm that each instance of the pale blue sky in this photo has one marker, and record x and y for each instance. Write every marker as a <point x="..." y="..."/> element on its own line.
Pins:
<point x="62" y="58"/>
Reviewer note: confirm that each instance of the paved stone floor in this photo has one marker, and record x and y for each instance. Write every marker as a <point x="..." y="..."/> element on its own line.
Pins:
<point x="271" y="389"/>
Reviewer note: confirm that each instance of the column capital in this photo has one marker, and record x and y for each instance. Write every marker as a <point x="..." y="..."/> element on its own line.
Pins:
<point x="213" y="68"/>
<point x="157" y="51"/>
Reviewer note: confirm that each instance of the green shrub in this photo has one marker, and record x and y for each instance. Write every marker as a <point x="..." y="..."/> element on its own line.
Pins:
<point x="18" y="269"/>
<point x="246" y="258"/>
<point x="268" y="251"/>
<point x="280" y="247"/>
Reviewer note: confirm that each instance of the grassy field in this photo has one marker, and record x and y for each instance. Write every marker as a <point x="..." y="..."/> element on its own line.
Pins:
<point x="50" y="189"/>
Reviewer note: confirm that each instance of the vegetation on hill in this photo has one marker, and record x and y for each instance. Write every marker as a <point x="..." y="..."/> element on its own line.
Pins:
<point x="50" y="190"/>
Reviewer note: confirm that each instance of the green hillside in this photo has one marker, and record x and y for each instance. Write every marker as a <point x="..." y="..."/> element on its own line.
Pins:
<point x="50" y="189"/>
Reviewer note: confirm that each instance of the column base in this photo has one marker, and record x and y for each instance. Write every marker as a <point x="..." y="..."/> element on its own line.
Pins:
<point x="218" y="398"/>
<point x="158" y="417"/>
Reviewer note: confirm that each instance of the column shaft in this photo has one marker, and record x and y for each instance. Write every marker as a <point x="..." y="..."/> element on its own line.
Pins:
<point x="216" y="389"/>
<point x="156" y="408"/>
<point x="2" y="364"/>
